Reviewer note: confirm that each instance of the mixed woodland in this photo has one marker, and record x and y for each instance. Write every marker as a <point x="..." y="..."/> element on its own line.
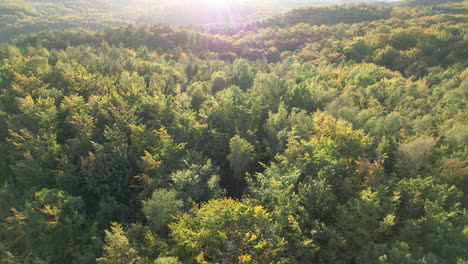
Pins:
<point x="22" y="17"/>
<point x="332" y="134"/>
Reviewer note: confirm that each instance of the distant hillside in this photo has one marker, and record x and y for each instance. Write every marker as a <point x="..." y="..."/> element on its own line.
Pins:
<point x="19" y="17"/>
<point x="428" y="2"/>
<point x="206" y="12"/>
<point x="308" y="32"/>
<point x="323" y="15"/>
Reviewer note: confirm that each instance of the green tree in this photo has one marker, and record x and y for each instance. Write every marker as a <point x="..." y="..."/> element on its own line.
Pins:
<point x="167" y="260"/>
<point x="161" y="208"/>
<point x="198" y="179"/>
<point x="369" y="217"/>
<point x="219" y="81"/>
<point x="242" y="74"/>
<point x="269" y="89"/>
<point x="358" y="50"/>
<point x="275" y="189"/>
<point x="52" y="227"/>
<point x="241" y="155"/>
<point x="118" y="250"/>
<point x="227" y="231"/>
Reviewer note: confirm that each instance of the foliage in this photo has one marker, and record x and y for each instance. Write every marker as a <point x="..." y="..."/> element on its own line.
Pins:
<point x="117" y="248"/>
<point x="226" y="231"/>
<point x="161" y="207"/>
<point x="331" y="134"/>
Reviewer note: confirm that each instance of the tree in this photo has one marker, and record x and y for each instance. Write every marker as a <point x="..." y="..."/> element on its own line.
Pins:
<point x="118" y="249"/>
<point x="242" y="74"/>
<point x="219" y="81"/>
<point x="52" y="227"/>
<point x="415" y="156"/>
<point x="227" y="231"/>
<point x="369" y="217"/>
<point x="275" y="188"/>
<point x="161" y="208"/>
<point x="358" y="50"/>
<point x="432" y="218"/>
<point x="388" y="57"/>
<point x="398" y="252"/>
<point x="349" y="142"/>
<point x="230" y="112"/>
<point x="269" y="89"/>
<point x="279" y="124"/>
<point x="198" y="179"/>
<point x="198" y="92"/>
<point x="34" y="150"/>
<point x="241" y="155"/>
<point x="167" y="260"/>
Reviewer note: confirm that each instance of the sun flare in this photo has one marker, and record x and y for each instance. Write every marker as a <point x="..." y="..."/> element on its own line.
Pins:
<point x="216" y="3"/>
<point x="215" y="11"/>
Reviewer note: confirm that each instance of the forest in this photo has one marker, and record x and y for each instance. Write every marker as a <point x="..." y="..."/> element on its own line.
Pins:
<point x="22" y="17"/>
<point x="324" y="134"/>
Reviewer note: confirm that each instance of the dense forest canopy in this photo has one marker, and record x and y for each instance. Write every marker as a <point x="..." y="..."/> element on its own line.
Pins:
<point x="330" y="134"/>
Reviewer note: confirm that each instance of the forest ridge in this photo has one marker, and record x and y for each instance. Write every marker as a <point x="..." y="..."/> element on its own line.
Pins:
<point x="325" y="134"/>
<point x="22" y="17"/>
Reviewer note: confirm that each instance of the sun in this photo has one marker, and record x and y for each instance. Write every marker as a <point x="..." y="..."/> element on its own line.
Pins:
<point x="216" y="2"/>
<point x="215" y="11"/>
